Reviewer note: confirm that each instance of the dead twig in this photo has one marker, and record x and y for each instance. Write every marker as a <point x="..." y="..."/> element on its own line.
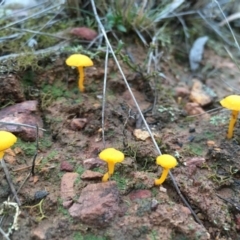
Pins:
<point x="4" y="234"/>
<point x="36" y="153"/>
<point x="22" y="125"/>
<point x="5" y="169"/>
<point x="29" y="17"/>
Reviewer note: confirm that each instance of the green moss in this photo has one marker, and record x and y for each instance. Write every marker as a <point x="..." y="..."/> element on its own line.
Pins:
<point x="120" y="180"/>
<point x="61" y="209"/>
<point x="80" y="170"/>
<point x="28" y="148"/>
<point x="194" y="149"/>
<point x="80" y="236"/>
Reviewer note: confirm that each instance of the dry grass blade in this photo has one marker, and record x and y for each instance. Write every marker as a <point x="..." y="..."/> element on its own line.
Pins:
<point x="22" y="125"/>
<point x="104" y="97"/>
<point x="170" y="8"/>
<point x="233" y="35"/>
<point x="32" y="16"/>
<point x="10" y="182"/>
<point x="229" y="19"/>
<point x="4" y="234"/>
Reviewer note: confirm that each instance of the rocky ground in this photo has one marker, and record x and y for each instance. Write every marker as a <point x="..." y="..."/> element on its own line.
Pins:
<point x="66" y="198"/>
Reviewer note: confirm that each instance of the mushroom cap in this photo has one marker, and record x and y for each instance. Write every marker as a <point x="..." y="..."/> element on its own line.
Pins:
<point x="7" y="139"/>
<point x="111" y="155"/>
<point x="231" y="102"/>
<point x="166" y="161"/>
<point x="79" y="60"/>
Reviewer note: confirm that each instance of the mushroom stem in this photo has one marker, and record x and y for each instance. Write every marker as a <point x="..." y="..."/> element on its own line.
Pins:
<point x="81" y="79"/>
<point x="163" y="177"/>
<point x="111" y="167"/>
<point x="107" y="175"/>
<point x="233" y="120"/>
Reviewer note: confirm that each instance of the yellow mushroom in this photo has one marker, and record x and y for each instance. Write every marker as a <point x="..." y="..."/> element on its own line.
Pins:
<point x="79" y="61"/>
<point x="111" y="156"/>
<point x="167" y="162"/>
<point x="231" y="102"/>
<point x="7" y="139"/>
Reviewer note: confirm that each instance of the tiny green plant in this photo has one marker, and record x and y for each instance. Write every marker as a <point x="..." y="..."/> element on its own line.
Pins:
<point x="80" y="236"/>
<point x="40" y="207"/>
<point x="120" y="180"/>
<point x="170" y="110"/>
<point x="218" y="120"/>
<point x="28" y="148"/>
<point x="115" y="21"/>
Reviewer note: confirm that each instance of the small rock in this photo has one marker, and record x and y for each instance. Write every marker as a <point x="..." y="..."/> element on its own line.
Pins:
<point x="200" y="216"/>
<point x="193" y="163"/>
<point x="182" y="91"/>
<point x="39" y="195"/>
<point x="143" y="178"/>
<point x="211" y="143"/>
<point x="93" y="163"/>
<point x="39" y="233"/>
<point x="11" y="89"/>
<point x="66" y="166"/>
<point x="84" y="32"/>
<point x="192" y="129"/>
<point x="97" y="205"/>
<point x="162" y="189"/>
<point x="195" y="109"/>
<point x="78" y="123"/>
<point x="185" y="210"/>
<point x="197" y="161"/>
<point x="142" y="134"/>
<point x="67" y="204"/>
<point x="140" y="194"/>
<point x="67" y="186"/>
<point x="23" y="113"/>
<point x="199" y="94"/>
<point x="91" y="175"/>
<point x="237" y="221"/>
<point x="154" y="204"/>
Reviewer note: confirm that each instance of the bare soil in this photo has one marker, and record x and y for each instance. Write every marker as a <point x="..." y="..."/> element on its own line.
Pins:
<point x="208" y="170"/>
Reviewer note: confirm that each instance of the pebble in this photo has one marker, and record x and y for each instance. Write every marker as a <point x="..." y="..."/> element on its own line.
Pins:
<point x="84" y="32"/>
<point x="140" y="194"/>
<point x="162" y="189"/>
<point x="66" y="166"/>
<point x="97" y="205"/>
<point x="93" y="163"/>
<point x="67" y="186"/>
<point x="199" y="94"/>
<point x="39" y="195"/>
<point x="91" y="175"/>
<point x="78" y="123"/>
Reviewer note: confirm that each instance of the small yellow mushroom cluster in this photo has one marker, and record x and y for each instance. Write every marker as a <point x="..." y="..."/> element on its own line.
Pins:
<point x="113" y="156"/>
